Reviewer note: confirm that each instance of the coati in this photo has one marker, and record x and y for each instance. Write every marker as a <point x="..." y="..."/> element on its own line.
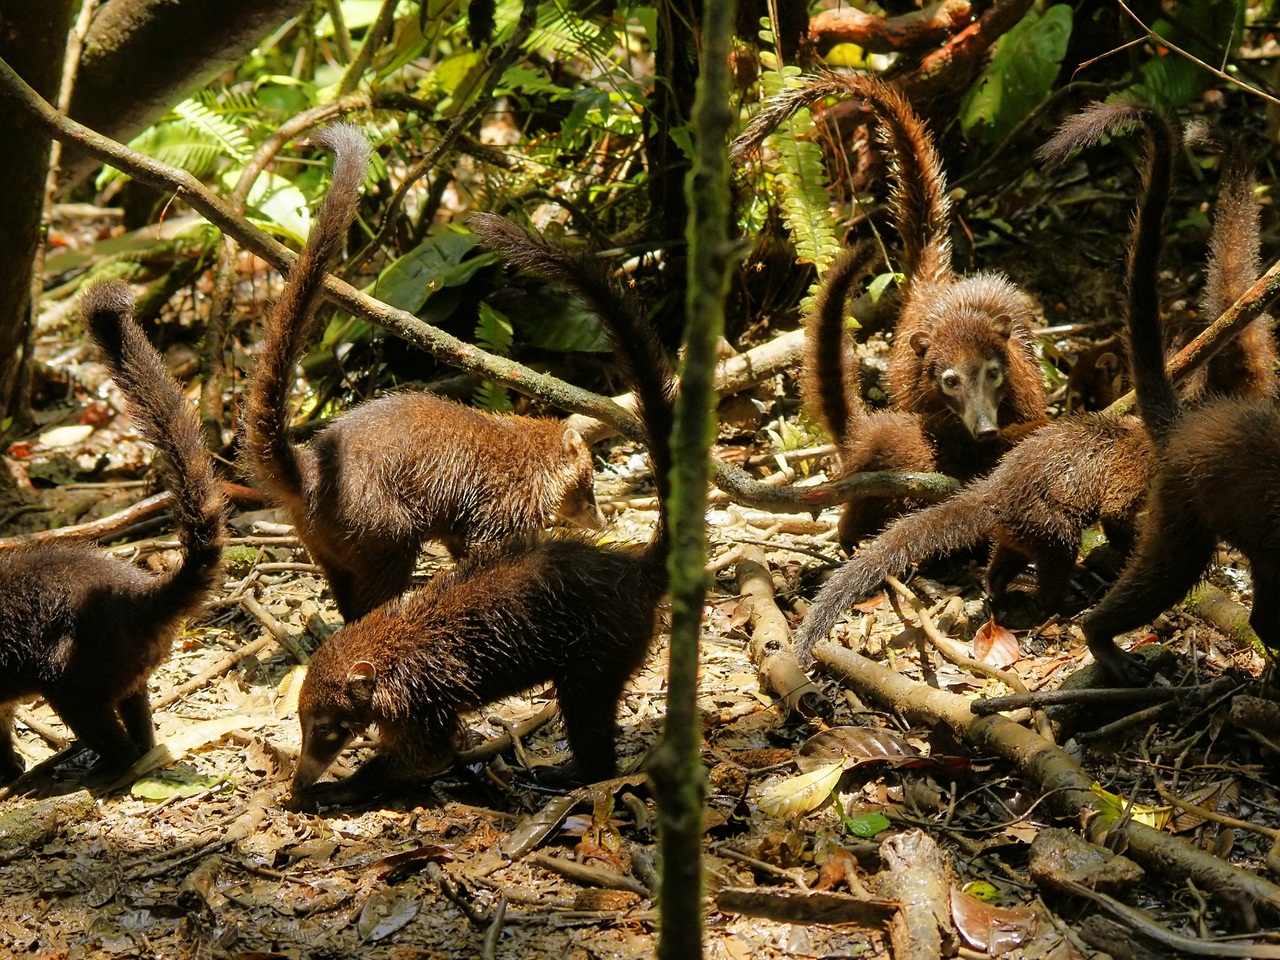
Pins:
<point x="564" y="609"/>
<point x="1217" y="473"/>
<point x="962" y="363"/>
<point x="84" y="629"/>
<point x="385" y="477"/>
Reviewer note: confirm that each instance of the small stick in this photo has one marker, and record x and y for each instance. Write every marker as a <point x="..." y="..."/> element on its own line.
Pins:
<point x="276" y="629"/>
<point x="217" y="670"/>
<point x="489" y="949"/>
<point x="1126" y="696"/>
<point x="41" y="729"/>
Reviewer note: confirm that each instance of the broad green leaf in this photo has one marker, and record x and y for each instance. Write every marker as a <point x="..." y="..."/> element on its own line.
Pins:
<point x="552" y="322"/>
<point x="435" y="263"/>
<point x="174" y="782"/>
<point x="865" y="825"/>
<point x="1019" y="77"/>
<point x="277" y="201"/>
<point x="799" y="795"/>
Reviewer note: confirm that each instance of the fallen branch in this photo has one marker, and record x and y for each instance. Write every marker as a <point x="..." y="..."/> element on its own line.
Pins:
<point x="123" y="519"/>
<point x="907" y="33"/>
<point x="771" y="639"/>
<point x="1065" y="785"/>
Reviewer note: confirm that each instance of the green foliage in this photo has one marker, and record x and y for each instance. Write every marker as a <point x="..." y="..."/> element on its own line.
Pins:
<point x="866" y="825"/>
<point x="1019" y="76"/>
<point x="194" y="138"/>
<point x="493" y="333"/>
<point x="800" y="177"/>
<point x="1203" y="28"/>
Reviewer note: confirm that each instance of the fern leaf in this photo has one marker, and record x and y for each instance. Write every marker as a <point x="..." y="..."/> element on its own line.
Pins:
<point x="218" y="129"/>
<point x="495" y="334"/>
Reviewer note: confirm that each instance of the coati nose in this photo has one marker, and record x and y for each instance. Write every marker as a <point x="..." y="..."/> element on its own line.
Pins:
<point x="984" y="428"/>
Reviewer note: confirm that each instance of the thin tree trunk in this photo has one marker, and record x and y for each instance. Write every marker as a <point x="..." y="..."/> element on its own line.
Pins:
<point x="33" y="37"/>
<point x="677" y="771"/>
<point x="143" y="56"/>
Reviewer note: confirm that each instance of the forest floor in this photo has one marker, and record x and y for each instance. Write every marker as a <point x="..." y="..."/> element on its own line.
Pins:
<point x="199" y="856"/>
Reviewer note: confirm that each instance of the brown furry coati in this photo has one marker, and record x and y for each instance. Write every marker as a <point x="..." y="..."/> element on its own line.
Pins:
<point x="84" y="629"/>
<point x="1066" y="476"/>
<point x="1217" y="472"/>
<point x="1035" y="506"/>
<point x="383" y="478"/>
<point x="564" y="609"/>
<point x="962" y="359"/>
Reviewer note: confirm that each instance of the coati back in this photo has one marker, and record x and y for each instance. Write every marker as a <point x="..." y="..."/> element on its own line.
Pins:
<point x="84" y="629"/>
<point x="380" y="480"/>
<point x="1218" y="466"/>
<point x="564" y="609"/>
<point x="962" y="358"/>
<point x="1035" y="506"/>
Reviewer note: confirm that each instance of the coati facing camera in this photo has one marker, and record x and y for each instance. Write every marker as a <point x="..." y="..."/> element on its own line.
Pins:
<point x="962" y="359"/>
<point x="1217" y="472"/>
<point x="564" y="609"/>
<point x="381" y="479"/>
<point x="84" y="629"/>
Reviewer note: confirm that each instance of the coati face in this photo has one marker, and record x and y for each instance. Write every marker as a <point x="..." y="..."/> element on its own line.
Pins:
<point x="578" y="505"/>
<point x="333" y="710"/>
<point x="971" y="381"/>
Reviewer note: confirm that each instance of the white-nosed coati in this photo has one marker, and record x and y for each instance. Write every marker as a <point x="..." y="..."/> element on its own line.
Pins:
<point x="380" y="480"/>
<point x="84" y="629"/>
<point x="962" y="362"/>
<point x="563" y="609"/>
<point x="1217" y="472"/>
<point x="1078" y="470"/>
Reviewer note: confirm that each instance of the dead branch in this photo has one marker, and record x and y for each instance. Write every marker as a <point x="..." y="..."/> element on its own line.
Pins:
<point x="212" y="673"/>
<point x="1065" y="785"/>
<point x="957" y="64"/>
<point x="123" y="519"/>
<point x="277" y="629"/>
<point x="771" y="639"/>
<point x="908" y="33"/>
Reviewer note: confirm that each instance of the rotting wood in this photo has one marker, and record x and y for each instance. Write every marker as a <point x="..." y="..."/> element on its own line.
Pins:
<point x="771" y="639"/>
<point x="1066" y="787"/>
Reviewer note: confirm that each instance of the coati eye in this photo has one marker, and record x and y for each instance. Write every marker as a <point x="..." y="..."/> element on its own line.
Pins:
<point x="993" y="374"/>
<point x="951" y="380"/>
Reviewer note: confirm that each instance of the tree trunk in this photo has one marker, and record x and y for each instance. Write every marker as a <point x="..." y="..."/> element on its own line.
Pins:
<point x="32" y="39"/>
<point x="142" y="56"/>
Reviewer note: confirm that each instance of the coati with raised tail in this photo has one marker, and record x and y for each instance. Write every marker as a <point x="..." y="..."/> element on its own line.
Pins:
<point x="1217" y="474"/>
<point x="565" y="609"/>
<point x="380" y="480"/>
<point x="1071" y="473"/>
<point x="84" y="629"/>
<point x="962" y="360"/>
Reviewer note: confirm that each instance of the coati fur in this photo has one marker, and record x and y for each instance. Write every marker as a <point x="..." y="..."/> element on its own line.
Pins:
<point x="1218" y="466"/>
<point x="380" y="480"/>
<point x="566" y="609"/>
<point x="1069" y="474"/>
<point x="962" y="360"/>
<point x="84" y="629"/>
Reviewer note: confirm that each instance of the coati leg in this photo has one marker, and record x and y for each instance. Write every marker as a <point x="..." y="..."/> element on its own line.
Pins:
<point x="11" y="765"/>
<point x="590" y="717"/>
<point x="1265" y="616"/>
<point x="98" y="727"/>
<point x="1173" y="552"/>
<point x="135" y="711"/>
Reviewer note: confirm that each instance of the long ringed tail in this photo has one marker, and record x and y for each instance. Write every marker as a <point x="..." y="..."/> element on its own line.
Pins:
<point x="1156" y="398"/>
<point x="270" y="454"/>
<point x="829" y="379"/>
<point x="955" y="524"/>
<point x="635" y="344"/>
<point x="921" y="204"/>
<point x="170" y="424"/>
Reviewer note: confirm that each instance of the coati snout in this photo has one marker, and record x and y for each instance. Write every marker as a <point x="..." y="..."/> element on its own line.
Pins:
<point x="965" y="360"/>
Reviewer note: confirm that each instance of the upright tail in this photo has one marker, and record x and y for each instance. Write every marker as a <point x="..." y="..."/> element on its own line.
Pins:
<point x="955" y="524"/>
<point x="1156" y="398"/>
<point x="269" y="453"/>
<point x="829" y="379"/>
<point x="1245" y="366"/>
<point x="170" y="424"/>
<point x="921" y="205"/>
<point x="635" y="345"/>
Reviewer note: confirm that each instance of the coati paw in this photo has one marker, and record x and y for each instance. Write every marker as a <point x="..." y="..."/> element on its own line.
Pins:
<point x="1123" y="668"/>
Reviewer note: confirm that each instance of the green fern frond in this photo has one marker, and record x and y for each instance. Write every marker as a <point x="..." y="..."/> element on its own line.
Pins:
<point x="218" y="129"/>
<point x="227" y="103"/>
<point x="801" y="179"/>
<point x="495" y="334"/>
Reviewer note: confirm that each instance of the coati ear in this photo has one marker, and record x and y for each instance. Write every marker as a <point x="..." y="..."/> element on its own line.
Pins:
<point x="1002" y="324"/>
<point x="573" y="445"/>
<point x="920" y="342"/>
<point x="360" y="680"/>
